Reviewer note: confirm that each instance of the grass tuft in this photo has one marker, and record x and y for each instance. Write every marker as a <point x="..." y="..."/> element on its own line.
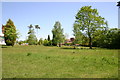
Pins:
<point x="28" y="54"/>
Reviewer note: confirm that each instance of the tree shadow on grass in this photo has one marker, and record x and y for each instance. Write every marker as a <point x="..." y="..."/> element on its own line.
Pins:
<point x="4" y="46"/>
<point x="78" y="48"/>
<point x="67" y="48"/>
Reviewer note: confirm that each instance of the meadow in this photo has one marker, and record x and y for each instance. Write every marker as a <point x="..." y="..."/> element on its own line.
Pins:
<point x="55" y="62"/>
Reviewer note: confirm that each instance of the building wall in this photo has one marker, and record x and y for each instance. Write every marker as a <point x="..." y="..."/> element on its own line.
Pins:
<point x="2" y="41"/>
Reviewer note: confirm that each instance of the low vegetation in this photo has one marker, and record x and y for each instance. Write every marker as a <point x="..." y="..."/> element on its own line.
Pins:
<point x="36" y="61"/>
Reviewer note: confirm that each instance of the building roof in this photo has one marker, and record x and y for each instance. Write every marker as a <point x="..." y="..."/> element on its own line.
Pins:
<point x="118" y="3"/>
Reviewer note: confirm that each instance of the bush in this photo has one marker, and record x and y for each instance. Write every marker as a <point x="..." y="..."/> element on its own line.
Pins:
<point x="32" y="40"/>
<point x="68" y="44"/>
<point x="40" y="41"/>
<point x="47" y="43"/>
<point x="50" y="43"/>
<point x="20" y="42"/>
<point x="110" y="39"/>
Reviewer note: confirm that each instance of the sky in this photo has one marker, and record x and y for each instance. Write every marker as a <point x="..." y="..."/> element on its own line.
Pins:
<point x="45" y="14"/>
<point x="59" y="0"/>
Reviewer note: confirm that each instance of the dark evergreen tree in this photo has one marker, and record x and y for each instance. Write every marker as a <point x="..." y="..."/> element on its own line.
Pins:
<point x="10" y="33"/>
<point x="48" y="37"/>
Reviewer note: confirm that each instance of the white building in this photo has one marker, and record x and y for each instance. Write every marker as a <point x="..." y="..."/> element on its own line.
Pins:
<point x="2" y="41"/>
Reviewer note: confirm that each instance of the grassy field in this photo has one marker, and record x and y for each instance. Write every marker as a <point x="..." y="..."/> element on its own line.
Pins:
<point x="55" y="62"/>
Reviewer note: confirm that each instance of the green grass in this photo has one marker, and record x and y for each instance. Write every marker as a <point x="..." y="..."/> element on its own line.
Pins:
<point x="55" y="62"/>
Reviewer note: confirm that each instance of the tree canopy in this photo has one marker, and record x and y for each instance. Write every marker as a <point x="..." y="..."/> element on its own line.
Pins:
<point x="48" y="37"/>
<point x="89" y="21"/>
<point x="10" y="33"/>
<point x="32" y="39"/>
<point x="58" y="36"/>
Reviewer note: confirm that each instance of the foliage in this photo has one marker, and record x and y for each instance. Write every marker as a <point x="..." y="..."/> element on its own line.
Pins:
<point x="45" y="43"/>
<point x="40" y="41"/>
<point x="113" y="37"/>
<point x="20" y="42"/>
<point x="50" y="43"/>
<point x="107" y="39"/>
<point x="32" y="39"/>
<point x="48" y="37"/>
<point x="85" y="40"/>
<point x="10" y="33"/>
<point x="88" y="20"/>
<point x="58" y="36"/>
<point x="78" y="34"/>
<point x="68" y="44"/>
<point x="37" y="27"/>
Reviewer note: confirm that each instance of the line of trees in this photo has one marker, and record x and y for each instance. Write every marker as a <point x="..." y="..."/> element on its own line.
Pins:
<point x="58" y="36"/>
<point x="107" y="39"/>
<point x="89" y="28"/>
<point x="57" y="40"/>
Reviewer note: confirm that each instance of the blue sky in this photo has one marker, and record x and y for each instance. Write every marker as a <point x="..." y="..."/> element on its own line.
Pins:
<point x="46" y="13"/>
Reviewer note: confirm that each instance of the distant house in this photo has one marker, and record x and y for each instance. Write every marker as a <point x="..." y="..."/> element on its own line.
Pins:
<point x="69" y="41"/>
<point x="2" y="41"/>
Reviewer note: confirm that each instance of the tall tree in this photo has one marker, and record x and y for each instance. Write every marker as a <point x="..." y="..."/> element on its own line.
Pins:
<point x="30" y="28"/>
<point x="45" y="42"/>
<point x="88" y="20"/>
<point x="48" y="37"/>
<point x="58" y="36"/>
<point x="78" y="34"/>
<point x="40" y="41"/>
<point x="32" y="39"/>
<point x="10" y="33"/>
<point x="37" y="27"/>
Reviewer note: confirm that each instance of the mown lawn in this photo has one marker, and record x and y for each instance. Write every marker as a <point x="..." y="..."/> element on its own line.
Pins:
<point x="55" y="62"/>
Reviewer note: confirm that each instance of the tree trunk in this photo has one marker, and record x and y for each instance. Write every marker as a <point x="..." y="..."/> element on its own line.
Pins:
<point x="74" y="47"/>
<point x="59" y="44"/>
<point x="90" y="42"/>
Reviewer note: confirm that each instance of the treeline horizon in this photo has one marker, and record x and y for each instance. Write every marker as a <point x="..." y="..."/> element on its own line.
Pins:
<point x="90" y="29"/>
